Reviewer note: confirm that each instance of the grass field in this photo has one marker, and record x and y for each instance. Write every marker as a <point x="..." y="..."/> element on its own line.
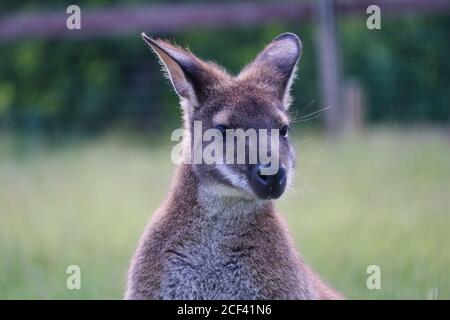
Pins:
<point x="381" y="199"/>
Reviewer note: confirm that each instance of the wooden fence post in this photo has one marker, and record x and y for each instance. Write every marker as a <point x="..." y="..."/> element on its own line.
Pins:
<point x="329" y="66"/>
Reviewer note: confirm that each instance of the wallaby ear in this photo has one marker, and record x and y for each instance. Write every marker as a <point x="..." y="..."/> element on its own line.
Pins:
<point x="276" y="64"/>
<point x="185" y="71"/>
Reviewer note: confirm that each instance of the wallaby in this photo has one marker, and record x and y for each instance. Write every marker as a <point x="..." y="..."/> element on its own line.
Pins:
<point x="217" y="236"/>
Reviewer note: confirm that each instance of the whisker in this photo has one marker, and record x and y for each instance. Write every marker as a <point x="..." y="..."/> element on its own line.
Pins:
<point x="298" y="110"/>
<point x="306" y="119"/>
<point x="313" y="113"/>
<point x="308" y="105"/>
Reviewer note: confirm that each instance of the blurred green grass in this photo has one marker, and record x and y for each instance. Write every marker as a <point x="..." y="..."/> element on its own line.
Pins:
<point x="382" y="198"/>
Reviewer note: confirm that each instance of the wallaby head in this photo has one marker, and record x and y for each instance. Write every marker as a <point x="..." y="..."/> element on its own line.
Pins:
<point x="257" y="98"/>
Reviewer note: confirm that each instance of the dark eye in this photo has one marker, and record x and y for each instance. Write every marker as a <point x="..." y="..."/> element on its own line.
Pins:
<point x="222" y="128"/>
<point x="284" y="130"/>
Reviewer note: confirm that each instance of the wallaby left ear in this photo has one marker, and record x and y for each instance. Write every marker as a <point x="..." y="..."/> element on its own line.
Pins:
<point x="189" y="75"/>
<point x="276" y="64"/>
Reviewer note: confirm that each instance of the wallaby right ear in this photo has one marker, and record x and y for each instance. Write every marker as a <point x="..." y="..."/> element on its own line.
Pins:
<point x="184" y="70"/>
<point x="276" y="65"/>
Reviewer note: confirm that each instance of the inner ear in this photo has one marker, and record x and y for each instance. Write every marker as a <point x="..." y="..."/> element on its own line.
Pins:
<point x="176" y="75"/>
<point x="276" y="64"/>
<point x="185" y="71"/>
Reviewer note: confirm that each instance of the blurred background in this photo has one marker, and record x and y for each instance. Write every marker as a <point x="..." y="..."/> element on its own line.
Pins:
<point x="86" y="117"/>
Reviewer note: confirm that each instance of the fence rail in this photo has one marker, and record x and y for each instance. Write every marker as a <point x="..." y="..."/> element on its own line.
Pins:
<point x="116" y="21"/>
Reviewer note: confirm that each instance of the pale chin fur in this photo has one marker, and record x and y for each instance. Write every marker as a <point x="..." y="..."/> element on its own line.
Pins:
<point x="242" y="189"/>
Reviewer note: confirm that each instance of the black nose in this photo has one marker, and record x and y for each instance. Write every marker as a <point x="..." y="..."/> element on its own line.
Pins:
<point x="268" y="186"/>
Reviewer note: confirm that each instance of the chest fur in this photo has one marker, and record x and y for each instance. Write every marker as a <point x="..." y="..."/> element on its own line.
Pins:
<point x="224" y="257"/>
<point x="208" y="268"/>
<point x="228" y="249"/>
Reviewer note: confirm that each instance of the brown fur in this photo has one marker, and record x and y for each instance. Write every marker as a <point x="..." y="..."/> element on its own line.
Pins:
<point x="213" y="238"/>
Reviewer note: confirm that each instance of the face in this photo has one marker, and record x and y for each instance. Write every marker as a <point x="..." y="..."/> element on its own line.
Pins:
<point x="253" y="109"/>
<point x="257" y="158"/>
